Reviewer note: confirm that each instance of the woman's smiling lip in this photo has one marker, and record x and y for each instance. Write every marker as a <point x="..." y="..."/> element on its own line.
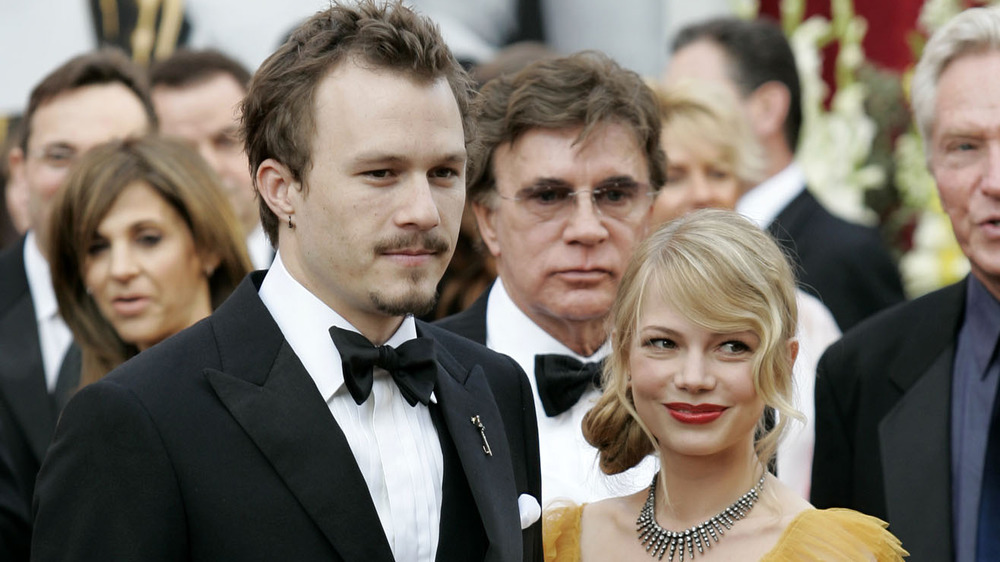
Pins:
<point x="695" y="413"/>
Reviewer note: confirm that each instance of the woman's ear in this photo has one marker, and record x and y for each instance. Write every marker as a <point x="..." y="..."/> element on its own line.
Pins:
<point x="276" y="184"/>
<point x="209" y="262"/>
<point x="793" y="349"/>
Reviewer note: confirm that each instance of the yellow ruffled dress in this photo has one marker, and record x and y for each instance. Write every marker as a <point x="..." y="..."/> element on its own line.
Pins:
<point x="815" y="534"/>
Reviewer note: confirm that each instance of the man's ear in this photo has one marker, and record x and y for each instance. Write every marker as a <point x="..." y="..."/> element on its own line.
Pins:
<point x="276" y="185"/>
<point x="768" y="107"/>
<point x="485" y="217"/>
<point x="16" y="192"/>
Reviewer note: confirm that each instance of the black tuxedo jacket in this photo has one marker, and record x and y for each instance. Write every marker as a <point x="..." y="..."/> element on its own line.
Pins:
<point x="883" y="421"/>
<point x="28" y="413"/>
<point x="845" y="265"/>
<point x="216" y="445"/>
<point x="471" y="322"/>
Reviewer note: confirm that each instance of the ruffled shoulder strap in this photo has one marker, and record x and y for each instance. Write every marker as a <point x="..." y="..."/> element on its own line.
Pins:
<point x="561" y="533"/>
<point x="836" y="534"/>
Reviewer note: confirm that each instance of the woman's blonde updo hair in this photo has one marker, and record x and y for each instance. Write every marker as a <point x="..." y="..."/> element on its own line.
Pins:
<point x="724" y="274"/>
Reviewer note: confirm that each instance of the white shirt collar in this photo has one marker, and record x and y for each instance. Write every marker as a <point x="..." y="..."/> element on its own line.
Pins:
<point x="509" y="330"/>
<point x="43" y="295"/>
<point x="763" y="203"/>
<point x="305" y="322"/>
<point x="259" y="248"/>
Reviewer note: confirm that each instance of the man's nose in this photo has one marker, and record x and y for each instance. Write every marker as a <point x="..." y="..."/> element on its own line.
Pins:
<point x="585" y="223"/>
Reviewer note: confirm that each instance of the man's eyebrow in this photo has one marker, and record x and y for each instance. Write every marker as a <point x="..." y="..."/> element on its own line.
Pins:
<point x="387" y="158"/>
<point x="548" y="183"/>
<point x="59" y="145"/>
<point x="620" y="179"/>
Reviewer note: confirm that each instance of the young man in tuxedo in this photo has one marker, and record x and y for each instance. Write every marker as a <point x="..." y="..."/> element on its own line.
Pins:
<point x="843" y="264"/>
<point x="907" y="416"/>
<point x="90" y="99"/>
<point x="311" y="417"/>
<point x="562" y="197"/>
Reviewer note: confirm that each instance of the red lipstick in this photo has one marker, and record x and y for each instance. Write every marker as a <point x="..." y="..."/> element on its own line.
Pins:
<point x="695" y="413"/>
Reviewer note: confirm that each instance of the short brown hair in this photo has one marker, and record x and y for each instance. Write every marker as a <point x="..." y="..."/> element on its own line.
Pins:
<point x="585" y="88"/>
<point x="279" y="109"/>
<point x="106" y="66"/>
<point x="190" y="67"/>
<point x="185" y="181"/>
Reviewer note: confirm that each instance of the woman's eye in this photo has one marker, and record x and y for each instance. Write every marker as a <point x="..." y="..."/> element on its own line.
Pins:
<point x="149" y="239"/>
<point x="735" y="347"/>
<point x="660" y="343"/>
<point x="96" y="247"/>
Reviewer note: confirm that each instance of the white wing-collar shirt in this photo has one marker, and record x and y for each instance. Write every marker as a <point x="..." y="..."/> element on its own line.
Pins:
<point x="395" y="445"/>
<point x="568" y="462"/>
<point x="763" y="203"/>
<point x="54" y="335"/>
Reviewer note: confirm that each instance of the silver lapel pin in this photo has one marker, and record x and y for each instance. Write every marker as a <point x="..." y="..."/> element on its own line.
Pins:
<point x="482" y="433"/>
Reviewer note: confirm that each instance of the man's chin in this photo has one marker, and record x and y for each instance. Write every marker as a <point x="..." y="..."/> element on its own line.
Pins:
<point x="415" y="302"/>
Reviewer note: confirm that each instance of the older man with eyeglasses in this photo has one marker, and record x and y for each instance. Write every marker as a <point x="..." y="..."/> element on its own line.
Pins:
<point x="573" y="164"/>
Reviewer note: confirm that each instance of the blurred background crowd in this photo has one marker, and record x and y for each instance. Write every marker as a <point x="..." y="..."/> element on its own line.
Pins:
<point x="859" y="150"/>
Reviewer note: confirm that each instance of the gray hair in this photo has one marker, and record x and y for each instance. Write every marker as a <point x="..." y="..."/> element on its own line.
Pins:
<point x="974" y="30"/>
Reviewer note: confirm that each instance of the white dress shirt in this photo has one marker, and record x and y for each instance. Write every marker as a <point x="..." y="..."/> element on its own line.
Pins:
<point x="569" y="463"/>
<point x="54" y="335"/>
<point x="816" y="331"/>
<point x="763" y="203"/>
<point x="395" y="445"/>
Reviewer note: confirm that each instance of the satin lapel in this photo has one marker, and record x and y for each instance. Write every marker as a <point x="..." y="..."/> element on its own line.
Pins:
<point x="270" y="394"/>
<point x="916" y="456"/>
<point x="464" y="395"/>
<point x="22" y="377"/>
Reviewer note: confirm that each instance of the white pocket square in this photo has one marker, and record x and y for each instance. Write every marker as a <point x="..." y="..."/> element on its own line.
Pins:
<point x="530" y="510"/>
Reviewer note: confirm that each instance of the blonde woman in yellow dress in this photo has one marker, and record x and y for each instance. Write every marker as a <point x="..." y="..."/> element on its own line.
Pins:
<point x="703" y="340"/>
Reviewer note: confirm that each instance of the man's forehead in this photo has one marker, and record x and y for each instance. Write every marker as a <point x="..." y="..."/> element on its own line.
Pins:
<point x="701" y="61"/>
<point x="967" y="95"/>
<point x="607" y="149"/>
<point x="88" y="115"/>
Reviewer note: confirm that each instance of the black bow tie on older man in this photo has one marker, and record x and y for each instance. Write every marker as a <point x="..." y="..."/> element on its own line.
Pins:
<point x="411" y="365"/>
<point x="562" y="381"/>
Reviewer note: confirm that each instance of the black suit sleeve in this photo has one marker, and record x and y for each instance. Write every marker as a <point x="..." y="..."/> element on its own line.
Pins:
<point x="833" y="455"/>
<point x="15" y="533"/>
<point x="107" y="489"/>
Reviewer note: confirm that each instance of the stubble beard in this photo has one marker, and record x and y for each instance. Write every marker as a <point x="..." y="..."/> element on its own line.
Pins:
<point x="414" y="301"/>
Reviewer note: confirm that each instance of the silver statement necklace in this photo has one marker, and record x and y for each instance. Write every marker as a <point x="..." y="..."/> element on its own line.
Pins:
<point x="659" y="541"/>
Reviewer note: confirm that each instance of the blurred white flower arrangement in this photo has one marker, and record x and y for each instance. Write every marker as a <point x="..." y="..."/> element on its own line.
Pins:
<point x="835" y="149"/>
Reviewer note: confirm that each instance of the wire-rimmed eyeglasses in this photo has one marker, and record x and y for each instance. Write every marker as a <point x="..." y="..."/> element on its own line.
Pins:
<point x="620" y="199"/>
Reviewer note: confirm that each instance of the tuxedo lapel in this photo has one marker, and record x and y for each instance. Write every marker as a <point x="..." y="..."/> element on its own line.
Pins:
<point x="916" y="455"/>
<point x="272" y="397"/>
<point x="464" y="395"/>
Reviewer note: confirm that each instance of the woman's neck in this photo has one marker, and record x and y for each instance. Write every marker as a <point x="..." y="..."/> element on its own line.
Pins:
<point x="697" y="488"/>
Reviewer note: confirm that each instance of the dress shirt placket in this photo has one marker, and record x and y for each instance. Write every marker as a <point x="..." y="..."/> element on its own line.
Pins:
<point x="407" y="476"/>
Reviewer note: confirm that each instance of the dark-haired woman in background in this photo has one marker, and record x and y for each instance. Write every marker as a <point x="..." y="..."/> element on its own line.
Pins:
<point x="144" y="244"/>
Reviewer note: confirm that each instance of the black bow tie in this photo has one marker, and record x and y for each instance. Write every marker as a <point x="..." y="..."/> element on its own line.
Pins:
<point x="562" y="381"/>
<point x="412" y="365"/>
